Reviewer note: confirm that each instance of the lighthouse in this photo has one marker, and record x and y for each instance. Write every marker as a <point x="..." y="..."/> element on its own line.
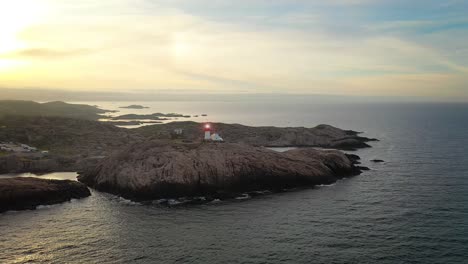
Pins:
<point x="207" y="132"/>
<point x="210" y="134"/>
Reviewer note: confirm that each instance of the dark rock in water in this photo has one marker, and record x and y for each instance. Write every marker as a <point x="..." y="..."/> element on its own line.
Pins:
<point x="362" y="168"/>
<point x="353" y="157"/>
<point x="23" y="193"/>
<point x="377" y="160"/>
<point x="162" y="169"/>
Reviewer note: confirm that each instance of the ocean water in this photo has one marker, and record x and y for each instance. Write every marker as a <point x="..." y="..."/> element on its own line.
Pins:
<point x="413" y="208"/>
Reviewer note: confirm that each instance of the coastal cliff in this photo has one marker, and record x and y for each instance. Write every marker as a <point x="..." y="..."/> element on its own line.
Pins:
<point x="163" y="169"/>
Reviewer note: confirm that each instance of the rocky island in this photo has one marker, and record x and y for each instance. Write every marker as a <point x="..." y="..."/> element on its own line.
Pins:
<point x="167" y="169"/>
<point x="22" y="193"/>
<point x="171" y="159"/>
<point x="134" y="107"/>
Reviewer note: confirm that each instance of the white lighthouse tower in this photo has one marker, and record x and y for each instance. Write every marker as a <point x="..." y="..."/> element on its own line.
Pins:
<point x="207" y="132"/>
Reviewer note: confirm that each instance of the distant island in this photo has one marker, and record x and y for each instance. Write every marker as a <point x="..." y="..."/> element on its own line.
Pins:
<point x="155" y="116"/>
<point x="134" y="107"/>
<point x="132" y="122"/>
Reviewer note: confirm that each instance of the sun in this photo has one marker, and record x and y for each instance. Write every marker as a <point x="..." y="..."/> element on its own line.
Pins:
<point x="181" y="46"/>
<point x="16" y="16"/>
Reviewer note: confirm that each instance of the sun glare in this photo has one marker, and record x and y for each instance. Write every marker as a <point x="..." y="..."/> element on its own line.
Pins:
<point x="16" y="16"/>
<point x="181" y="46"/>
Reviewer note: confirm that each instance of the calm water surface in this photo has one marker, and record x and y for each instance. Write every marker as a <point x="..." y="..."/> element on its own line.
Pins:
<point x="411" y="209"/>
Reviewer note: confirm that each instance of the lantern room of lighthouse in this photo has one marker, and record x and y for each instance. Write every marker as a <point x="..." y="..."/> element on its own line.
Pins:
<point x="207" y="132"/>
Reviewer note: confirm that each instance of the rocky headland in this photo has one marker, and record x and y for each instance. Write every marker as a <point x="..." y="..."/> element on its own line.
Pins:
<point x="57" y="109"/>
<point x="22" y="193"/>
<point x="163" y="169"/>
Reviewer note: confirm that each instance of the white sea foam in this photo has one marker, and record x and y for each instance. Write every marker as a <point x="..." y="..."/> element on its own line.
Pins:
<point x="326" y="185"/>
<point x="243" y="197"/>
<point x="127" y="202"/>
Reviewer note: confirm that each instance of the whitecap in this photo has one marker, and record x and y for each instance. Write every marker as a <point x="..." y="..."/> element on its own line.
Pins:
<point x="243" y="197"/>
<point x="326" y="185"/>
<point x="173" y="202"/>
<point x="127" y="202"/>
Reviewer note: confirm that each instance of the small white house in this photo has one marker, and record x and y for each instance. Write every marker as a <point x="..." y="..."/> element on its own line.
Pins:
<point x="216" y="137"/>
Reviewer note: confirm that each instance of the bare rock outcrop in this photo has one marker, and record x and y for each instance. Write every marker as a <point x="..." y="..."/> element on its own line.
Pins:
<point x="65" y="136"/>
<point x="22" y="193"/>
<point x="325" y="136"/>
<point x="164" y="169"/>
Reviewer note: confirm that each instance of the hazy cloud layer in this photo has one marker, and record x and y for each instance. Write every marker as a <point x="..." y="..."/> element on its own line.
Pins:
<point x="332" y="47"/>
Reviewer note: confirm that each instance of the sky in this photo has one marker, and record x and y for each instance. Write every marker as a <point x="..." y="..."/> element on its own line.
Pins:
<point x="336" y="47"/>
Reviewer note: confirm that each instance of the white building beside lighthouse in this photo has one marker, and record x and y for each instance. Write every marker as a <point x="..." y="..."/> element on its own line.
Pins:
<point x="216" y="137"/>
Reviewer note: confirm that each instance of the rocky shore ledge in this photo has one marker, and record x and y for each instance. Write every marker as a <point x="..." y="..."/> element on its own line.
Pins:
<point x="23" y="193"/>
<point x="164" y="169"/>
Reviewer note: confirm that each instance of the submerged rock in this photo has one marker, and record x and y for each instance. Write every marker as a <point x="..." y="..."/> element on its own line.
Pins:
<point x="163" y="169"/>
<point x="22" y="193"/>
<point x="377" y="160"/>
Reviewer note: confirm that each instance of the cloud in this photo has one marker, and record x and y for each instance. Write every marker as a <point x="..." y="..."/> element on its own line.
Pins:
<point x="116" y="45"/>
<point x="45" y="53"/>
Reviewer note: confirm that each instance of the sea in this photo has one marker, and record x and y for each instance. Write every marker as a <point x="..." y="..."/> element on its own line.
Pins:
<point x="411" y="208"/>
